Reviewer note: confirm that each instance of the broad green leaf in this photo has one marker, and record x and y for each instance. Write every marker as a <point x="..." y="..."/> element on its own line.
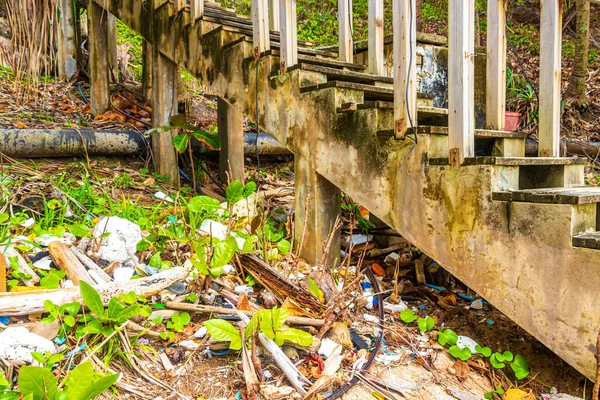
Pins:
<point x="249" y="244"/>
<point x="284" y="246"/>
<point x="223" y="252"/>
<point x="249" y="189"/>
<point x="94" y="326"/>
<point x="129" y="298"/>
<point x="407" y="316"/>
<point x="127" y="313"/>
<point x="180" y="142"/>
<point x="178" y="120"/>
<point x="39" y="357"/>
<point x="70" y="320"/>
<point x="38" y="382"/>
<point x="496" y="363"/>
<point x="203" y="203"/>
<point x="208" y="139"/>
<point x="10" y="395"/>
<point x="252" y="326"/>
<point x="462" y="354"/>
<point x="520" y="367"/>
<point x="279" y="316"/>
<point x="266" y="324"/>
<point x="99" y="386"/>
<point x="71" y="308"/>
<point x="297" y="336"/>
<point x="155" y="261"/>
<point x="115" y="306"/>
<point x="234" y="192"/>
<point x="484" y="351"/>
<point x="315" y="290"/>
<point x="92" y="299"/>
<point x="78" y="380"/>
<point x="223" y="331"/>
<point x="184" y="318"/>
<point x="508" y="356"/>
<point x="448" y="336"/>
<point x="79" y="230"/>
<point x="200" y="265"/>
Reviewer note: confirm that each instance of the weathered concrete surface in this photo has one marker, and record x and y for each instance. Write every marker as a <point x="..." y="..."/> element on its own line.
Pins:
<point x="524" y="265"/>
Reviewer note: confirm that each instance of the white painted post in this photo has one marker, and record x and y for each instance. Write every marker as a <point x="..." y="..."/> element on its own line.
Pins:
<point x="260" y="27"/>
<point x="461" y="74"/>
<point x="274" y="18"/>
<point x="179" y="5"/>
<point x="345" y="31"/>
<point x="495" y="102"/>
<point x="288" y="34"/>
<point x="196" y="9"/>
<point x="405" y="56"/>
<point x="550" y="53"/>
<point x="375" y="52"/>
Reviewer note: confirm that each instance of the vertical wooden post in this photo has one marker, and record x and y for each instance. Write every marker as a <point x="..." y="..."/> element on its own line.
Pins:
<point x="375" y="52"/>
<point x="147" y="71"/>
<point x="550" y="65"/>
<point x="164" y="94"/>
<point x="113" y="57"/>
<point x="260" y="27"/>
<point x="196" y="9"/>
<point x="179" y="5"/>
<point x="231" y="135"/>
<point x="461" y="74"/>
<point x="67" y="40"/>
<point x="345" y="31"/>
<point x="288" y="34"/>
<point x="495" y="94"/>
<point x="98" y="34"/>
<point x="274" y="17"/>
<point x="405" y="71"/>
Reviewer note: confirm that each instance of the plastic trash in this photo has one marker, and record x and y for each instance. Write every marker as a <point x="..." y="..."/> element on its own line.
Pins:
<point x="329" y="347"/>
<point x="17" y="343"/>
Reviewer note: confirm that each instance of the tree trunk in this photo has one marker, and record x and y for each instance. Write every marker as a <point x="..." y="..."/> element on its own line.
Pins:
<point x="576" y="89"/>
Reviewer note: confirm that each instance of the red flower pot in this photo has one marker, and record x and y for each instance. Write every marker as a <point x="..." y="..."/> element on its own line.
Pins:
<point x="511" y="121"/>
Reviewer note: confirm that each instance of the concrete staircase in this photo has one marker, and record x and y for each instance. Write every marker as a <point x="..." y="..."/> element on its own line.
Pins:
<point x="522" y="232"/>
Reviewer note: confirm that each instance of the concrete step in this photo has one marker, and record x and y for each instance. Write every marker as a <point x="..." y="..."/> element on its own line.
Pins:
<point x="514" y="161"/>
<point x="589" y="240"/>
<point x="563" y="195"/>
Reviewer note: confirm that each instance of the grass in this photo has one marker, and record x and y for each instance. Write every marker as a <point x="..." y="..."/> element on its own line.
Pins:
<point x="133" y="41"/>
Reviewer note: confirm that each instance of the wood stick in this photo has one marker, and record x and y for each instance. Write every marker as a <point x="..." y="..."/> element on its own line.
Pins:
<point x="200" y="308"/>
<point x="22" y="266"/>
<point x="66" y="260"/>
<point x="3" y="267"/>
<point x="89" y="264"/>
<point x="25" y="303"/>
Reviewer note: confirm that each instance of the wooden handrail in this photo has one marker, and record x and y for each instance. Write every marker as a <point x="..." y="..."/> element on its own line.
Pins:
<point x="495" y="99"/>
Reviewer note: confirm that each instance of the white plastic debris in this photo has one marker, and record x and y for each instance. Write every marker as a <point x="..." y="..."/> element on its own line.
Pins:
<point x="189" y="344"/>
<point x="123" y="274"/>
<point x="394" y="308"/>
<point x="357" y="240"/>
<point x="162" y="196"/>
<point x="120" y="244"/>
<point x="371" y="318"/>
<point x="386" y="359"/>
<point x="391" y="258"/>
<point x="200" y="333"/>
<point x="45" y="239"/>
<point x="477" y="304"/>
<point x="267" y="374"/>
<point x="28" y="223"/>
<point x="368" y="294"/>
<point x="228" y="268"/>
<point x="214" y="228"/>
<point x="243" y="289"/>
<point x="329" y="347"/>
<point x="465" y="341"/>
<point x="43" y="263"/>
<point x="16" y="344"/>
<point x="68" y="284"/>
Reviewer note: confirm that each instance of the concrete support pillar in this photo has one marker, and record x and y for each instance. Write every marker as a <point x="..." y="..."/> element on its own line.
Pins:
<point x="113" y="56"/>
<point x="147" y="71"/>
<point x="317" y="206"/>
<point x="99" y="80"/>
<point x="231" y="135"/>
<point x="67" y="40"/>
<point x="164" y="105"/>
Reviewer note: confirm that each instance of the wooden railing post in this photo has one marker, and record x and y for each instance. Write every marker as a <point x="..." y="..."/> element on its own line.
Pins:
<point x="461" y="74"/>
<point x="113" y="54"/>
<point x="405" y="72"/>
<point x="260" y="27"/>
<point x="345" y="30"/>
<point x="67" y="43"/>
<point x="288" y="34"/>
<point x="495" y="102"/>
<point x="550" y="53"/>
<point x="196" y="9"/>
<point x="274" y="18"/>
<point x="98" y="35"/>
<point x="375" y="52"/>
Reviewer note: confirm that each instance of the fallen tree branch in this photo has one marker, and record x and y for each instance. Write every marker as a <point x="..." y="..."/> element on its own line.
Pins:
<point x="199" y="308"/>
<point x="25" y="303"/>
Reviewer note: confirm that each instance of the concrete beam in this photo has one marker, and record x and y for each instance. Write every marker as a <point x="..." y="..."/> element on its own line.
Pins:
<point x="231" y="135"/>
<point x="67" y="40"/>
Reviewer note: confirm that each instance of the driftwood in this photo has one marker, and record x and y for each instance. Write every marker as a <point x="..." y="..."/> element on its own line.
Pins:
<point x="25" y="303"/>
<point x="22" y="266"/>
<point x="3" y="267"/>
<point x="66" y="260"/>
<point x="199" y="308"/>
<point x="278" y="284"/>
<point x="90" y="265"/>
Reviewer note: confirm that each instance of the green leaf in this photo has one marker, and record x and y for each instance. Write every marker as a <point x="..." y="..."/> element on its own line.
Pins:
<point x="70" y="320"/>
<point x="297" y="336"/>
<point x="520" y="367"/>
<point x="315" y="290"/>
<point x="279" y="316"/>
<point x="234" y="192"/>
<point x="92" y="299"/>
<point x="497" y="363"/>
<point x="284" y="246"/>
<point x="127" y="313"/>
<point x="10" y="395"/>
<point x="249" y="189"/>
<point x="78" y="380"/>
<point x="484" y="351"/>
<point x="208" y="139"/>
<point x="203" y="203"/>
<point x="71" y="308"/>
<point x="38" y="382"/>
<point x="223" y="331"/>
<point x="39" y="357"/>
<point x="180" y="142"/>
<point x="178" y="120"/>
<point x="223" y="252"/>
<point x="462" y="354"/>
<point x="79" y="230"/>
<point x="425" y="324"/>
<point x="155" y="261"/>
<point x="99" y="386"/>
<point x="129" y="298"/>
<point x="447" y="337"/>
<point x="508" y="356"/>
<point x="407" y="316"/>
<point x="115" y="306"/>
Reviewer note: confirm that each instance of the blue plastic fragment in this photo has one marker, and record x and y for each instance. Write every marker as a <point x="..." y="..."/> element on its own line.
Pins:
<point x="60" y="340"/>
<point x="421" y="307"/>
<point x="220" y="352"/>
<point x="76" y="351"/>
<point x="489" y="322"/>
<point x="366" y="285"/>
<point x="238" y="395"/>
<point x="429" y="285"/>
<point x="465" y="297"/>
<point x="4" y="320"/>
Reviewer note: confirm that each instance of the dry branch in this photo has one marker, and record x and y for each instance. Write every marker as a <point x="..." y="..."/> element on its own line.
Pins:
<point x="66" y="260"/>
<point x="22" y="266"/>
